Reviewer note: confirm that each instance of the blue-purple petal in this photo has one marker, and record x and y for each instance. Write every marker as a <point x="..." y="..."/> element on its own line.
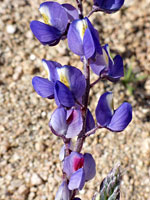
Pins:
<point x="77" y="82"/>
<point x="109" y="6"/>
<point x="116" y="70"/>
<point x="104" y="111"/>
<point x="50" y="67"/>
<point x="121" y="118"/>
<point x="46" y="34"/>
<point x="63" y="95"/>
<point x="58" y="15"/>
<point x="72" y="163"/>
<point x="77" y="180"/>
<point x="95" y="36"/>
<point x="83" y="39"/>
<point x="89" y="166"/>
<point x="58" y="123"/>
<point x="75" y="123"/>
<point x="43" y="87"/>
<point x="97" y="64"/>
<point x="90" y="123"/>
<point x="88" y="44"/>
<point x="75" y="42"/>
<point x="71" y="12"/>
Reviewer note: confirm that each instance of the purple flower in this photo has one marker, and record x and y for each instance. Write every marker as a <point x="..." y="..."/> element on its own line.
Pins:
<point x="106" y="67"/>
<point x="66" y="123"/>
<point x="56" y="18"/>
<point x="79" y="168"/>
<point x="61" y="83"/>
<point x="63" y="192"/>
<point x="114" y="120"/>
<point x="83" y="39"/>
<point x="108" y="6"/>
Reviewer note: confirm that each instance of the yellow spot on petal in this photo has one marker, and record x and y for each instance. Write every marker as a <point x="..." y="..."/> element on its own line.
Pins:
<point x="46" y="70"/>
<point x="44" y="10"/>
<point x="46" y="19"/>
<point x="63" y="76"/>
<point x="112" y="105"/>
<point x="47" y="73"/>
<point x="64" y="80"/>
<point x="81" y="27"/>
<point x="84" y="27"/>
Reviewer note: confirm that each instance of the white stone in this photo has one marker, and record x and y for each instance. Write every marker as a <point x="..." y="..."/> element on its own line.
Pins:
<point x="11" y="29"/>
<point x="43" y="114"/>
<point x="128" y="3"/>
<point x="32" y="57"/>
<point x="35" y="179"/>
<point x="22" y="189"/>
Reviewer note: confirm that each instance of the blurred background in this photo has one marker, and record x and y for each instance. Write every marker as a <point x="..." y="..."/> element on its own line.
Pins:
<point x="29" y="164"/>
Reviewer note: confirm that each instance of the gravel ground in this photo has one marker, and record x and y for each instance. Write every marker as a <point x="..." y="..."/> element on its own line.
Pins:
<point x="29" y="164"/>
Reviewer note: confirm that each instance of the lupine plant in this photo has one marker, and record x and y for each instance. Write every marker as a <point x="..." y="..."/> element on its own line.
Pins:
<point x="70" y="88"/>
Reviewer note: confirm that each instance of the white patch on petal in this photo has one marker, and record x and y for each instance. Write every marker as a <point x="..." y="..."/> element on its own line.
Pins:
<point x="110" y="102"/>
<point x="81" y="26"/>
<point x="46" y="69"/>
<point x="62" y="153"/>
<point x="63" y="76"/>
<point x="46" y="14"/>
<point x="109" y="54"/>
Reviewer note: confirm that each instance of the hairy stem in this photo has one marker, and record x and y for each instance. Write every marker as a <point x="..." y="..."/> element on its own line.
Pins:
<point x="92" y="131"/>
<point x="94" y="9"/>
<point x="81" y="136"/>
<point x="92" y="84"/>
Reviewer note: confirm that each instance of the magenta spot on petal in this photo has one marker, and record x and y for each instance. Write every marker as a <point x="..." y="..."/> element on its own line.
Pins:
<point x="78" y="163"/>
<point x="72" y="117"/>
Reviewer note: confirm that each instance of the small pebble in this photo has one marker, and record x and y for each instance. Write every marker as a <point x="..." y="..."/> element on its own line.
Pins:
<point x="11" y="29"/>
<point x="35" y="179"/>
<point x="32" y="57"/>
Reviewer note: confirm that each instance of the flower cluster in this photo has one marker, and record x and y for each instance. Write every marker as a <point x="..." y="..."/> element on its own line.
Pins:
<point x="70" y="87"/>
